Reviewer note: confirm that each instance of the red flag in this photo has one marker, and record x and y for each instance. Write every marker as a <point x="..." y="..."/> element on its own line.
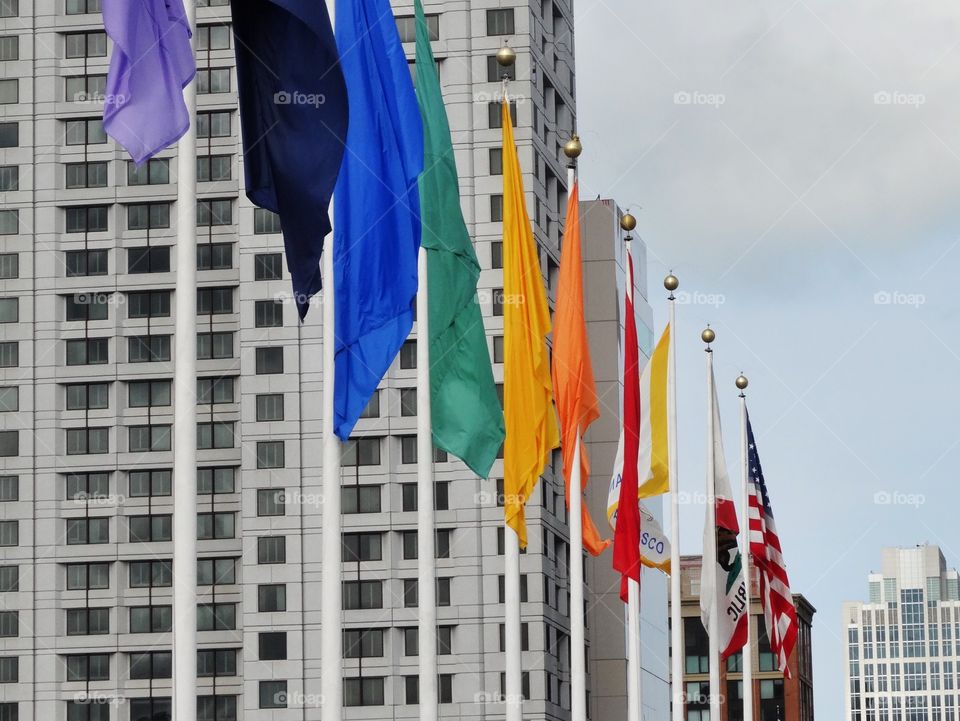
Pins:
<point x="626" y="537"/>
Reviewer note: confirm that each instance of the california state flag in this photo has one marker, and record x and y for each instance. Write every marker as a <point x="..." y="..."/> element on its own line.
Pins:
<point x="722" y="579"/>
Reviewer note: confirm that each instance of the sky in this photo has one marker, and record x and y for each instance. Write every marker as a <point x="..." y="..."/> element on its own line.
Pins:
<point x="797" y="165"/>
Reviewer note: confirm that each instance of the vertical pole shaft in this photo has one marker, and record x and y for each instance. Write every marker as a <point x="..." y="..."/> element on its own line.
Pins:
<point x="676" y="608"/>
<point x="578" y="661"/>
<point x="634" y="658"/>
<point x="426" y="522"/>
<point x="185" y="418"/>
<point x="747" y="566"/>
<point x="711" y="552"/>
<point x="331" y="631"/>
<point x="513" y="665"/>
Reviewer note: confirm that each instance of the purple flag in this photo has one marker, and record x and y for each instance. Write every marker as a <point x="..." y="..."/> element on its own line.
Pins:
<point x="152" y="62"/>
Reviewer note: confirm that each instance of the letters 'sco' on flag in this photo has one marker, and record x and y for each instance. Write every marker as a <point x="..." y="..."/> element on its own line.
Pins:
<point x="465" y="411"/>
<point x="293" y="112"/>
<point x="626" y="536"/>
<point x="376" y="206"/>
<point x="528" y="412"/>
<point x="573" y="384"/>
<point x="722" y="579"/>
<point x="779" y="612"/>
<point x="151" y="63"/>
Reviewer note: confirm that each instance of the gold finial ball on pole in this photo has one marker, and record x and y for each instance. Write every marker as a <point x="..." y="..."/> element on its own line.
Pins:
<point x="708" y="336"/>
<point x="671" y="282"/>
<point x="742" y="382"/>
<point x="573" y="147"/>
<point x="506" y="57"/>
<point x="628" y="222"/>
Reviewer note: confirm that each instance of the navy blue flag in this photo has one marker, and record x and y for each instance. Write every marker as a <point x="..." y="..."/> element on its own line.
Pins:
<point x="293" y="113"/>
<point x="376" y="206"/>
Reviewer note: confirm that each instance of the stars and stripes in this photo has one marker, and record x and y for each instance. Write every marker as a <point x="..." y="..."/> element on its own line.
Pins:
<point x="778" y="609"/>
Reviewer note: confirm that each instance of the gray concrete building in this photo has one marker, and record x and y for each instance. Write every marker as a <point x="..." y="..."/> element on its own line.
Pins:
<point x="86" y="324"/>
<point x="902" y="650"/>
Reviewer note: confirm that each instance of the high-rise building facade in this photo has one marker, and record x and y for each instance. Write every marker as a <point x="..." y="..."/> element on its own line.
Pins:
<point x="776" y="697"/>
<point x="902" y="647"/>
<point x="86" y="324"/>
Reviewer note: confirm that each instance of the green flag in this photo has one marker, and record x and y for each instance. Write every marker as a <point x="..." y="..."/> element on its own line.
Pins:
<point x="466" y="413"/>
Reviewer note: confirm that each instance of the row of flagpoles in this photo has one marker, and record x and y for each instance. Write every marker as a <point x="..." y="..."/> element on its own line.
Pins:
<point x="386" y="160"/>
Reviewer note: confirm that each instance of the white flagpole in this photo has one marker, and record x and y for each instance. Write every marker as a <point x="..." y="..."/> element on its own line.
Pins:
<point x="185" y="418"/>
<point x="745" y="532"/>
<point x="426" y="521"/>
<point x="331" y="575"/>
<point x="578" y="661"/>
<point x="676" y="617"/>
<point x="715" y="692"/>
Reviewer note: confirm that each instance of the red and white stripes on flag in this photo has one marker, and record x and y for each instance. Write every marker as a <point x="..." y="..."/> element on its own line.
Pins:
<point x="779" y="612"/>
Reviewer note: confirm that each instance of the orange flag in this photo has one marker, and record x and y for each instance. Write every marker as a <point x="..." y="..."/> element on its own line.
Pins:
<point x="573" y="387"/>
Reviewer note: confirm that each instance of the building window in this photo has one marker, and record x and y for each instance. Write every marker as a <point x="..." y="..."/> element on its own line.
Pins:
<point x="217" y="708"/>
<point x="269" y="360"/>
<point x="9" y="178"/>
<point x="362" y="595"/>
<point x="150" y="664"/>
<point x="88" y="576"/>
<point x="500" y="21"/>
<point x="148" y="438"/>
<point x="150" y="574"/>
<point x="88" y="667"/>
<point x="216" y="571"/>
<point x="84" y="486"/>
<point x="361" y="452"/>
<point x="495" y="73"/>
<point x="80" y="531"/>
<point x="85" y="262"/>
<point x="214" y="212"/>
<point x="271" y="549"/>
<point x="148" y="304"/>
<point x="9" y="399"/>
<point x="213" y="37"/>
<point x="85" y="88"/>
<point x="9" y="47"/>
<point x="86" y="219"/>
<point x="268" y="266"/>
<point x="85" y="45"/>
<point x="155" y="483"/>
<point x="496" y="210"/>
<point x="147" y="529"/>
<point x="148" y="259"/>
<point x="216" y="480"/>
<point x="271" y="597"/>
<point x="213" y="346"/>
<point x="214" y="256"/>
<point x="9" y="222"/>
<point x="88" y="621"/>
<point x="360" y="499"/>
<point x="273" y="694"/>
<point x="87" y="440"/>
<point x="87" y="306"/>
<point x="9" y="624"/>
<point x="211" y="168"/>
<point x="358" y="547"/>
<point x="265" y="221"/>
<point x="148" y="348"/>
<point x="216" y="663"/>
<point x="270" y="407"/>
<point x="9" y="579"/>
<point x="78" y="7"/>
<point x="9" y="354"/>
<point x="216" y="616"/>
<point x="148" y="216"/>
<point x="87" y="396"/>
<point x="268" y="313"/>
<point x="408" y="355"/>
<point x="10" y="91"/>
<point x="155" y="171"/>
<point x="363" y="643"/>
<point x="214" y="301"/>
<point x="214" y="390"/>
<point x="9" y="488"/>
<point x="218" y="434"/>
<point x="154" y="708"/>
<point x="9" y="533"/>
<point x="9" y="135"/>
<point x="214" y="124"/>
<point x="148" y="394"/>
<point x="365" y="691"/>
<point x="408" y="401"/>
<point x="218" y="525"/>
<point x="151" y="619"/>
<point x="372" y="409"/>
<point x="84" y="132"/>
<point x="270" y="454"/>
<point x="407" y="27"/>
<point x="496" y="254"/>
<point x="495" y="114"/>
<point x="213" y="80"/>
<point x="87" y="351"/>
<point x="86" y="175"/>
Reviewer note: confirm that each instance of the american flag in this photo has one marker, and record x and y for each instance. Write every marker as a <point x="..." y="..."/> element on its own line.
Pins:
<point x="765" y="552"/>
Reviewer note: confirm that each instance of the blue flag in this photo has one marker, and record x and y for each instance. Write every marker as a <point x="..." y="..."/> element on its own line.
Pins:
<point x="376" y="206"/>
<point x="293" y="112"/>
<point x="150" y="65"/>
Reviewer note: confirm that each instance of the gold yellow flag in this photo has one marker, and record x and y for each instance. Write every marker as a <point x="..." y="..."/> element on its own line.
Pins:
<point x="528" y="413"/>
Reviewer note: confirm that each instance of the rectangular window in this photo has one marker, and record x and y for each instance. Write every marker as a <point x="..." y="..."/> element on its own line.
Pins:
<point x="151" y="664"/>
<point x="495" y="114"/>
<point x="86" y="175"/>
<point x="495" y="74"/>
<point x="148" y="304"/>
<point x="408" y="401"/>
<point x="9" y="178"/>
<point x="500" y="21"/>
<point x="408" y="355"/>
<point x="363" y="643"/>
<point x="150" y="709"/>
<point x="268" y="266"/>
<point x="268" y="313"/>
<point x="86" y="219"/>
<point x="155" y="171"/>
<point x="150" y="574"/>
<point x="148" y="348"/>
<point x="265" y="221"/>
<point x="9" y="399"/>
<point x="213" y="480"/>
<point x="88" y="621"/>
<point x="9" y="47"/>
<point x="271" y="597"/>
<point x="218" y="434"/>
<point x="213" y="80"/>
<point x="215" y="124"/>
<point x="271" y="549"/>
<point x="9" y="222"/>
<point x="9" y="488"/>
<point x="88" y="576"/>
<point x="10" y="91"/>
<point x="88" y="667"/>
<point x="85" y="263"/>
<point x="360" y="499"/>
<point x="214" y="212"/>
<point x="85" y="45"/>
<point x="9" y="354"/>
<point x="9" y="135"/>
<point x="215" y="390"/>
<point x="148" y="259"/>
<point x="148" y="394"/>
<point x="213" y="37"/>
<point x="216" y="663"/>
<point x="269" y="360"/>
<point x="362" y="595"/>
<point x="148" y="216"/>
<point x="9" y="579"/>
<point x="221" y="524"/>
<point x="496" y="208"/>
<point x="84" y="132"/>
<point x="273" y="694"/>
<point x="270" y="454"/>
<point x="87" y="306"/>
<point x="11" y="8"/>
<point x="270" y="407"/>
<point x="361" y="452"/>
<point x="358" y="547"/>
<point x="498" y="349"/>
<point x="9" y="624"/>
<point x="9" y="533"/>
<point x="214" y="256"/>
<point x="407" y="27"/>
<point x="150" y="529"/>
<point x="372" y="409"/>
<point x="87" y="396"/>
<point x="148" y="438"/>
<point x="213" y="346"/>
<point x="151" y="619"/>
<point x="214" y="301"/>
<point x="88" y="440"/>
<point x="81" y="531"/>
<point x="83" y="486"/>
<point x="216" y="571"/>
<point x="365" y="691"/>
<point x="87" y="351"/>
<point x="211" y="168"/>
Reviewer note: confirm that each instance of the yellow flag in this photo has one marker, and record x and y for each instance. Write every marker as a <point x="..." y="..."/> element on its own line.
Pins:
<point x="528" y="413"/>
